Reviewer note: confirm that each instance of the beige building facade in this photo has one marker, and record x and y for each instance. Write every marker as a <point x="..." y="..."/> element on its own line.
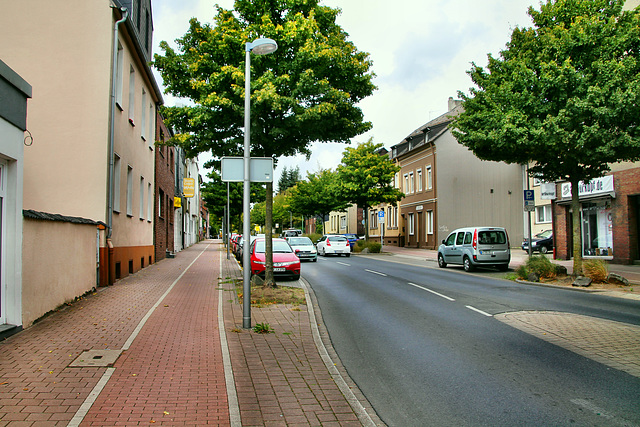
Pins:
<point x="94" y="99"/>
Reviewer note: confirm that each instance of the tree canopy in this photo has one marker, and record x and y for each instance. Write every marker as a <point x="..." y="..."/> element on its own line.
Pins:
<point x="288" y="178"/>
<point x="317" y="195"/>
<point x="564" y="96"/>
<point x="365" y="177"/>
<point x="306" y="91"/>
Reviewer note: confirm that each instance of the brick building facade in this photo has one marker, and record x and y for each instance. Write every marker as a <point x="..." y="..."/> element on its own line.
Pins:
<point x="163" y="227"/>
<point x="609" y="218"/>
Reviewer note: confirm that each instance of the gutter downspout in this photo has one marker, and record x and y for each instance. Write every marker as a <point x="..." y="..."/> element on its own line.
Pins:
<point x="114" y="77"/>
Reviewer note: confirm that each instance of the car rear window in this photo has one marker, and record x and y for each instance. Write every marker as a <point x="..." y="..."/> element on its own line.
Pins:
<point x="337" y="239"/>
<point x="278" y="247"/>
<point x="493" y="237"/>
<point x="300" y="241"/>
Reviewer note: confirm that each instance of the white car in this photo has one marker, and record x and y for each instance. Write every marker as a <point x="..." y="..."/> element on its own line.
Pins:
<point x="336" y="245"/>
<point x="303" y="247"/>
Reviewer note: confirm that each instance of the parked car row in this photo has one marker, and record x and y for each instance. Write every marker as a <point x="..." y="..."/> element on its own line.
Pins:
<point x="290" y="251"/>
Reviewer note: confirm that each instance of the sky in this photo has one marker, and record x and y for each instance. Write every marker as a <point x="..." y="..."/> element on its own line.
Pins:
<point x="421" y="51"/>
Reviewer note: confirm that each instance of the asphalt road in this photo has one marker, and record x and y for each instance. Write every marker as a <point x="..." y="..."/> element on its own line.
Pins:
<point x="422" y="345"/>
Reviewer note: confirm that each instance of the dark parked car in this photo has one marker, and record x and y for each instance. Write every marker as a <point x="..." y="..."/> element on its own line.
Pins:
<point x="353" y="238"/>
<point x="542" y="242"/>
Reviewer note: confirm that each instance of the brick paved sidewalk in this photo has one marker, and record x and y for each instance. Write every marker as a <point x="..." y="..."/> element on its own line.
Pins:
<point x="281" y="378"/>
<point x="172" y="370"/>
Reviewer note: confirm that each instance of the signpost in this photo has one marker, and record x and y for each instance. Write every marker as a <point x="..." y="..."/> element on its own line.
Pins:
<point x="529" y="206"/>
<point x="381" y="221"/>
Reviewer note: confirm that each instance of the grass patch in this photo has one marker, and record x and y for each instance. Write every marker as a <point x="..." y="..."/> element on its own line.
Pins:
<point x="261" y="296"/>
<point x="596" y="269"/>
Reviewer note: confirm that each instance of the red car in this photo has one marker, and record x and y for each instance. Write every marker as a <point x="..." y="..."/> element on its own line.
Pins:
<point x="285" y="261"/>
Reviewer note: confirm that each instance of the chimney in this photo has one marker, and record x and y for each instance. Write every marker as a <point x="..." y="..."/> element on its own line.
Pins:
<point x="453" y="103"/>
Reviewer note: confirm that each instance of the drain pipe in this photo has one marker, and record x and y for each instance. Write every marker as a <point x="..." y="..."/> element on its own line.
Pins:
<point x="114" y="77"/>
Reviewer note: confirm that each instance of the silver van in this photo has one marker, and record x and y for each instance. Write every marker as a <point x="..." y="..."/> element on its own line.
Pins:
<point x="476" y="246"/>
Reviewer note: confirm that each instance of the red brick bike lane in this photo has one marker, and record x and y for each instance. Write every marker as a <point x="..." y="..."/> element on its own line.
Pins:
<point x="172" y="373"/>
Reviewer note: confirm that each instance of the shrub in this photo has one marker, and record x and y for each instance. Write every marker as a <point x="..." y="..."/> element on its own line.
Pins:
<point x="374" y="247"/>
<point x="540" y="265"/>
<point x="596" y="269"/>
<point x="313" y="236"/>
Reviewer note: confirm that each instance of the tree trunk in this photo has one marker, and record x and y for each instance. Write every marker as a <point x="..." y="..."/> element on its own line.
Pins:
<point x="269" y="280"/>
<point x="577" y="231"/>
<point x="365" y="214"/>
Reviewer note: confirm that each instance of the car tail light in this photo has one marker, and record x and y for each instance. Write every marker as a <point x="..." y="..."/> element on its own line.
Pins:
<point x="328" y="242"/>
<point x="475" y="239"/>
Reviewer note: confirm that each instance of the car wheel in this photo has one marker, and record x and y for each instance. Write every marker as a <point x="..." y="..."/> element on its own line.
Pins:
<point x="315" y="259"/>
<point x="543" y="250"/>
<point x="466" y="262"/>
<point x="503" y="267"/>
<point x="347" y="255"/>
<point x="441" y="262"/>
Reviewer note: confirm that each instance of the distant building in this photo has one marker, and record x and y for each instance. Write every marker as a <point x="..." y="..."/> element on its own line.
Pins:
<point x="165" y="181"/>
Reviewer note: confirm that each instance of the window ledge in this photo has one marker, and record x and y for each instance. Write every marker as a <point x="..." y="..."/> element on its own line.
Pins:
<point x="132" y="123"/>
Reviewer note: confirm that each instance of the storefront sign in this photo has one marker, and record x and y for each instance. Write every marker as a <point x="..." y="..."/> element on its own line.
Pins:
<point x="548" y="190"/>
<point x="177" y="202"/>
<point x="189" y="187"/>
<point x="594" y="187"/>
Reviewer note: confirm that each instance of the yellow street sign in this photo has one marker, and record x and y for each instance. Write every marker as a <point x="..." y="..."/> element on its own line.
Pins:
<point x="189" y="187"/>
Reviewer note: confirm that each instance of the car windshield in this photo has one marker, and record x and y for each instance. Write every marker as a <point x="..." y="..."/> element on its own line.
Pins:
<point x="544" y="235"/>
<point x="279" y="246"/>
<point x="337" y="239"/>
<point x="300" y="241"/>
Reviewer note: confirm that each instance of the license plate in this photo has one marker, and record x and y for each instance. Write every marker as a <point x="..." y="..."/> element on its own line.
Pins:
<point x="279" y="269"/>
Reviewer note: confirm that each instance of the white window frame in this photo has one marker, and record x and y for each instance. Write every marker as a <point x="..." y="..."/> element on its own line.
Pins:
<point x="411" y="224"/>
<point x="419" y="180"/>
<point x="429" y="223"/>
<point x="149" y="203"/>
<point x="129" y="190"/>
<point x="143" y="120"/>
<point x="546" y="213"/>
<point x="412" y="183"/>
<point x="141" y="213"/>
<point x="343" y="222"/>
<point x="405" y="188"/>
<point x="132" y="94"/>
<point x="119" y="75"/>
<point x="395" y="216"/>
<point x="429" y="177"/>
<point x="116" y="183"/>
<point x="152" y="126"/>
<point x="373" y="219"/>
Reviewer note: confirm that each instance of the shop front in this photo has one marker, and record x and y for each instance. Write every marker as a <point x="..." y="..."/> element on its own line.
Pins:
<point x="605" y="220"/>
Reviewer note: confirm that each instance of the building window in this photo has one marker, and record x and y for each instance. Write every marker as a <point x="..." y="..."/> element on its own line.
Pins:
<point x="160" y="203"/>
<point x="129" y="191"/>
<point x="149" y="202"/>
<point x="373" y="219"/>
<point x="143" y="110"/>
<point x="141" y="197"/>
<point x="396" y="180"/>
<point x="116" y="183"/>
<point x="406" y="183"/>
<point x="412" y="183"/>
<point x="152" y="127"/>
<point x="411" y="224"/>
<point x="543" y="214"/>
<point x="395" y="216"/>
<point x="119" y="75"/>
<point x="429" y="223"/>
<point x="389" y="219"/>
<point x="419" y="179"/>
<point x="343" y="223"/>
<point x="597" y="229"/>
<point x="132" y="94"/>
<point x="429" y="177"/>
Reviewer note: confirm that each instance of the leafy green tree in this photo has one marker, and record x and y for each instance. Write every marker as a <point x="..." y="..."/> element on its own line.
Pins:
<point x="306" y="91"/>
<point x="280" y="211"/>
<point x="564" y="95"/>
<point x="318" y="195"/>
<point x="289" y="178"/>
<point x="365" y="178"/>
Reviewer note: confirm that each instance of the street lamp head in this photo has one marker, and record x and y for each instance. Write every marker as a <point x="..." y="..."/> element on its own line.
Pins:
<point x="262" y="46"/>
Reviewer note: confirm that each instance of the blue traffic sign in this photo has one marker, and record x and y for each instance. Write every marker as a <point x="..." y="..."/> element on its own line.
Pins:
<point x="380" y="214"/>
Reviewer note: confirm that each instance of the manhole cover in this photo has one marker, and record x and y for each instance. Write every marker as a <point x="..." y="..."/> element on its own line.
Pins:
<point x="96" y="358"/>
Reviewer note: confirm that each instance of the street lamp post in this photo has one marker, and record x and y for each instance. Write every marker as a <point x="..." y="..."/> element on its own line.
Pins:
<point x="262" y="46"/>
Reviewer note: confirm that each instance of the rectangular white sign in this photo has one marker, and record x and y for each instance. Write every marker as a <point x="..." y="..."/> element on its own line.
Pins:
<point x="596" y="186"/>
